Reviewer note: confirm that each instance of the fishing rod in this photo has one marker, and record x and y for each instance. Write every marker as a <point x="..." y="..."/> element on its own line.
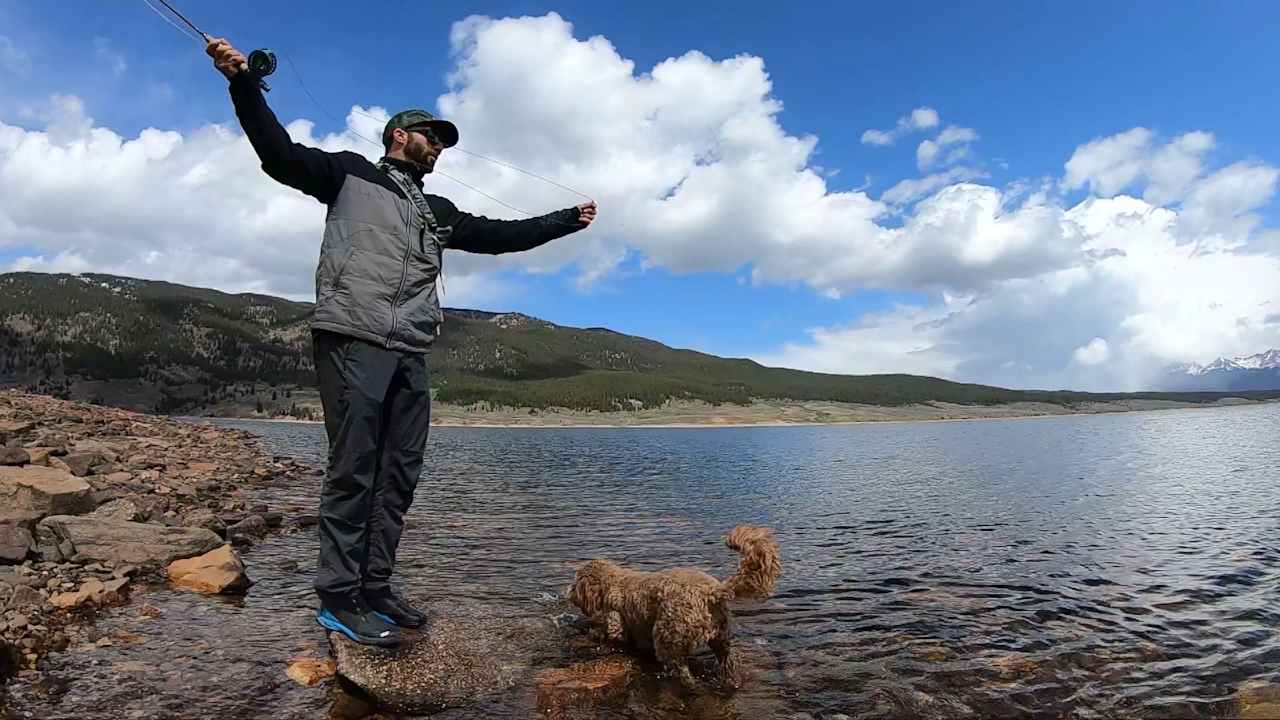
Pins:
<point x="259" y="64"/>
<point x="262" y="62"/>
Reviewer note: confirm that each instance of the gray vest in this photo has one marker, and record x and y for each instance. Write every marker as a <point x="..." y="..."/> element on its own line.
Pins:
<point x="379" y="265"/>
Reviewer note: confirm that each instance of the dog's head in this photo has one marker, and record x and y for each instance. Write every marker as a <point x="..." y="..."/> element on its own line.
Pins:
<point x="590" y="586"/>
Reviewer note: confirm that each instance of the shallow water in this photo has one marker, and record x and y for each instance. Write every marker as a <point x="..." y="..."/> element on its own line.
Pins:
<point x="1094" y="566"/>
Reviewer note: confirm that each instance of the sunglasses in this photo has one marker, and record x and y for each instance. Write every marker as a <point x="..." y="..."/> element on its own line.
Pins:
<point x="427" y="133"/>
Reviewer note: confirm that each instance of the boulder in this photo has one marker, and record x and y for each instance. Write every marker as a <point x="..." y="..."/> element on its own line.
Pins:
<point x="88" y="539"/>
<point x="454" y="662"/>
<point x="33" y="492"/>
<point x="14" y="456"/>
<point x="217" y="571"/>
<point x="15" y="541"/>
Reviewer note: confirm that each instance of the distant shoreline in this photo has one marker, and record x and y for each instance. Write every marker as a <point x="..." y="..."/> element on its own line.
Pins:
<point x="764" y="414"/>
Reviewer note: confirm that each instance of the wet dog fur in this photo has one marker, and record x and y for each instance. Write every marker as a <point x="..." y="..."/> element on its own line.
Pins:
<point x="674" y="613"/>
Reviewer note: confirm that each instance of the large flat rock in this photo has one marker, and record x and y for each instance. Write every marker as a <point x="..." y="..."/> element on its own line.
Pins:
<point x="33" y="492"/>
<point x="457" y="661"/>
<point x="88" y="539"/>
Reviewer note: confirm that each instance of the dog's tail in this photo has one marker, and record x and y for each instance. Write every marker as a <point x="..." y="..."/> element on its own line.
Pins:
<point x="759" y="568"/>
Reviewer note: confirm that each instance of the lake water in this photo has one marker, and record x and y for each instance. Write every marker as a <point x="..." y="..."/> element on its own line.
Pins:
<point x="1089" y="566"/>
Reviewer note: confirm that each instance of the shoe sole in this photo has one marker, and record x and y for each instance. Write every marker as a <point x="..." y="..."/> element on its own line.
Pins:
<point x="333" y="624"/>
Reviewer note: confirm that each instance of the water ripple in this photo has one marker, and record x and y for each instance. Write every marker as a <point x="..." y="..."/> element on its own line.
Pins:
<point x="1090" y="567"/>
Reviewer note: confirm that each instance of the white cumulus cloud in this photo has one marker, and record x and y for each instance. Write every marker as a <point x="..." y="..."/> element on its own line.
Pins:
<point x="1095" y="352"/>
<point x="1111" y="165"/>
<point x="694" y="172"/>
<point x="922" y="118"/>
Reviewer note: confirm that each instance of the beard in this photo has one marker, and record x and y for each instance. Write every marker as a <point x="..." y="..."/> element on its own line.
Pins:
<point x="420" y="153"/>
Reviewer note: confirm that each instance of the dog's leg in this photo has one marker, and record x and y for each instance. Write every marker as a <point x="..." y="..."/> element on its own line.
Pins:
<point x="680" y="669"/>
<point x="722" y="645"/>
<point x="607" y="625"/>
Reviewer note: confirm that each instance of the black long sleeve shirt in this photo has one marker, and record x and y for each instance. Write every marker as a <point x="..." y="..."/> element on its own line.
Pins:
<point x="321" y="175"/>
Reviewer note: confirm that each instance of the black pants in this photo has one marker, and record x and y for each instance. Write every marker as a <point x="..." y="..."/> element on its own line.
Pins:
<point x="377" y="411"/>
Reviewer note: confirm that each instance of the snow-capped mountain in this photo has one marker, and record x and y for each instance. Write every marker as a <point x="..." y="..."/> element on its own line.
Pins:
<point x="1254" y="372"/>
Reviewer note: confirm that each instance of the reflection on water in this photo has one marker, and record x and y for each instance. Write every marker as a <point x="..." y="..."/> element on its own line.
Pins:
<point x="1084" y="566"/>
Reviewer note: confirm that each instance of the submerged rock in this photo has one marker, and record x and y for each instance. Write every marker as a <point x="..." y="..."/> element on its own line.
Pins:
<point x="311" y="671"/>
<point x="247" y="530"/>
<point x="1258" y="700"/>
<point x="585" y="683"/>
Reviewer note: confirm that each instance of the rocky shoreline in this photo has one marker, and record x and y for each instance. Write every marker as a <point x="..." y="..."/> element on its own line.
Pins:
<point x="97" y="501"/>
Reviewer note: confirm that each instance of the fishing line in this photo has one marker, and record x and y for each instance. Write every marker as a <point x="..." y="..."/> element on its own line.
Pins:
<point x="167" y="19"/>
<point x="478" y="155"/>
<point x="298" y="76"/>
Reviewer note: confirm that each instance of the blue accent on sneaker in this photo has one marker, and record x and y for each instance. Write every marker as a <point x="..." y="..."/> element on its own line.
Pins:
<point x="384" y="618"/>
<point x="387" y="638"/>
<point x="327" y="620"/>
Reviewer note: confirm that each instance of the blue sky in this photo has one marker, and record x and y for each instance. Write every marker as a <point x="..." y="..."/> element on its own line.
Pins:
<point x="1033" y="82"/>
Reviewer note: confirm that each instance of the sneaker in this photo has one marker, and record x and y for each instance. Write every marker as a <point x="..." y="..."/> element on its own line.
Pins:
<point x="395" y="610"/>
<point x="359" y="623"/>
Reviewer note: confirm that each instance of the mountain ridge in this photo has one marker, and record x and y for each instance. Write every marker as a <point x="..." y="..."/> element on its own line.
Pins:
<point x="171" y="348"/>
<point x="1260" y="371"/>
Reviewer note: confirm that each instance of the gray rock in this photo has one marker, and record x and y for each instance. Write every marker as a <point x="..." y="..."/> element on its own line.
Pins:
<point x="15" y="541"/>
<point x="30" y="493"/>
<point x="205" y="519"/>
<point x="14" y="456"/>
<point x="86" y="539"/>
<point x="247" y="530"/>
<point x="119" y="509"/>
<point x="14" y="428"/>
<point x="82" y="463"/>
<point x="458" y="660"/>
<point x="25" y="596"/>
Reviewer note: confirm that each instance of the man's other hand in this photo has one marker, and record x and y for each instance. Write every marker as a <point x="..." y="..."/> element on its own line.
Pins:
<point x="587" y="212"/>
<point x="228" y="60"/>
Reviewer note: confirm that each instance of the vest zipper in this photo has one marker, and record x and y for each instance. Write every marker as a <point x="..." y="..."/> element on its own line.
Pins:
<point x="404" y="273"/>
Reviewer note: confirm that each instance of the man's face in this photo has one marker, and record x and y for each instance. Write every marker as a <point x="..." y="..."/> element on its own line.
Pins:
<point x="423" y="147"/>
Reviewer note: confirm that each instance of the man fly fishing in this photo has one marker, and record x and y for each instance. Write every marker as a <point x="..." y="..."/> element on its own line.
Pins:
<point x="377" y="313"/>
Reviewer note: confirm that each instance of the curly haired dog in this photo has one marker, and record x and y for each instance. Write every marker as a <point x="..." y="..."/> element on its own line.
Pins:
<point x="672" y="613"/>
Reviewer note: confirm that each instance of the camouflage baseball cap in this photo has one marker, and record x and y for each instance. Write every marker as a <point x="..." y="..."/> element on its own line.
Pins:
<point x="445" y="130"/>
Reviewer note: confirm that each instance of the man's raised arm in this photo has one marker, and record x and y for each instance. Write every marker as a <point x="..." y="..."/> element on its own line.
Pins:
<point x="313" y="171"/>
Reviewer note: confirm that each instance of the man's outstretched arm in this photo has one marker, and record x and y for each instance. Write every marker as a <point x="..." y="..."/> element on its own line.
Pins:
<point x="314" y="172"/>
<point x="477" y="234"/>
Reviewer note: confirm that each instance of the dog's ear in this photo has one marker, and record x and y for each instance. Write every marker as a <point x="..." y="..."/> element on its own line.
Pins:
<point x="581" y="594"/>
